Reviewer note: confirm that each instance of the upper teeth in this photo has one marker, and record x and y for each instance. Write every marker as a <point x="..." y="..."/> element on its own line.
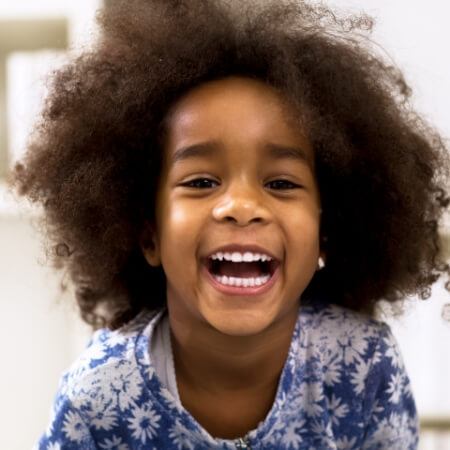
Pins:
<point x="239" y="257"/>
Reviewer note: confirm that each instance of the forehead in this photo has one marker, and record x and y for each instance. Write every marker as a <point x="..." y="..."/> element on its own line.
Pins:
<point x="232" y="98"/>
<point x="233" y="111"/>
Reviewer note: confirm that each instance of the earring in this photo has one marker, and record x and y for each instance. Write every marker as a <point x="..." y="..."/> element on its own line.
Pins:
<point x="321" y="263"/>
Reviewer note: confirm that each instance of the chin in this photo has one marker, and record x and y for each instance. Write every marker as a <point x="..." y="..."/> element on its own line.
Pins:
<point x="239" y="324"/>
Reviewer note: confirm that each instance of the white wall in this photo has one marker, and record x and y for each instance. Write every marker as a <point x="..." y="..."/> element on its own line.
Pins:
<point x="40" y="333"/>
<point x="416" y="35"/>
<point x="37" y="335"/>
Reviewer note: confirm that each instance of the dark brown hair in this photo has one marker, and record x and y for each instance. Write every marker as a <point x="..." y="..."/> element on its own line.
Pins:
<point x="94" y="157"/>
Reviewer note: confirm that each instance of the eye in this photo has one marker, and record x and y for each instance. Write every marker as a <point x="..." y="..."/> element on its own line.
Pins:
<point x="200" y="183"/>
<point x="207" y="183"/>
<point x="283" y="184"/>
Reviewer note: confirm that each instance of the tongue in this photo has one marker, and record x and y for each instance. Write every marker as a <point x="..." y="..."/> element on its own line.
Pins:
<point x="240" y="270"/>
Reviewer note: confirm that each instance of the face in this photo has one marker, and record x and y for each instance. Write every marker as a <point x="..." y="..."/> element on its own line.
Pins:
<point x="237" y="177"/>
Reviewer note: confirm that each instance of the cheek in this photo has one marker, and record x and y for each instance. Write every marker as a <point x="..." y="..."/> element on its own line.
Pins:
<point x="179" y="226"/>
<point x="179" y="218"/>
<point x="303" y="237"/>
<point x="305" y="224"/>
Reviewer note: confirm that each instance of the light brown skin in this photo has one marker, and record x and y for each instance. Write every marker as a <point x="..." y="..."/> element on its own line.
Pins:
<point x="229" y="351"/>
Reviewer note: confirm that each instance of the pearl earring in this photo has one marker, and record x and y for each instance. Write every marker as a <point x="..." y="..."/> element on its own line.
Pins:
<point x="321" y="263"/>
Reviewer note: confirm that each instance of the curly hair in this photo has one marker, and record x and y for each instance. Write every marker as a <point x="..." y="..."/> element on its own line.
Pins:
<point x="94" y="156"/>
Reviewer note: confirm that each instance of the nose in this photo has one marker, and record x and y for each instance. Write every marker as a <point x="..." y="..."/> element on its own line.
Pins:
<point x="241" y="204"/>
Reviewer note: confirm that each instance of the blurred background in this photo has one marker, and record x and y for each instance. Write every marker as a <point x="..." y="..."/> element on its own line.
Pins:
<point x="41" y="333"/>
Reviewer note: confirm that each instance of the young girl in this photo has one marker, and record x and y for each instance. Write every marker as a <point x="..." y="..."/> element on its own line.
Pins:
<point x="233" y="187"/>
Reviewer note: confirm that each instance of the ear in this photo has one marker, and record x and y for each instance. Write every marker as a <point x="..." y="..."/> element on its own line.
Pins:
<point x="150" y="245"/>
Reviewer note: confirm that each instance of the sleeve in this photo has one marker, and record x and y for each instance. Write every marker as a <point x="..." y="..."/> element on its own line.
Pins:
<point x="67" y="429"/>
<point x="391" y="414"/>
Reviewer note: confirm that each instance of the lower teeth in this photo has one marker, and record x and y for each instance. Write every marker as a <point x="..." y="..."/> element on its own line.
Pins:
<point x="245" y="282"/>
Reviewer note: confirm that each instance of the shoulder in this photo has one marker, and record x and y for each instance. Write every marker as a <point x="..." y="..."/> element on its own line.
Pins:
<point x="338" y="325"/>
<point x="354" y="362"/>
<point x="106" y="381"/>
<point x="108" y="359"/>
<point x="343" y="341"/>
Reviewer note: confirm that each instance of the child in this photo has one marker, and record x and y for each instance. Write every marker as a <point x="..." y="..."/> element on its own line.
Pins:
<point x="233" y="187"/>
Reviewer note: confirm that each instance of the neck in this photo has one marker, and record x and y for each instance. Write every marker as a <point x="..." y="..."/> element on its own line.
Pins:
<point x="214" y="363"/>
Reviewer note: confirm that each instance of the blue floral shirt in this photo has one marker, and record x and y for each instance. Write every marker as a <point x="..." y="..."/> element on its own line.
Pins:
<point x="343" y="386"/>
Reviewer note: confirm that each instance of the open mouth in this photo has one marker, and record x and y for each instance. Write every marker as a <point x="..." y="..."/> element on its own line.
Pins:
<point x="242" y="274"/>
<point x="241" y="269"/>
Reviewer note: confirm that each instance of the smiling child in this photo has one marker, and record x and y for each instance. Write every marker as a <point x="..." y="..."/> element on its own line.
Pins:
<point x="233" y="187"/>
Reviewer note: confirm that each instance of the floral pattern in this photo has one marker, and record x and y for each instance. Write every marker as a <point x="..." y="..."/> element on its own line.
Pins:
<point x="343" y="387"/>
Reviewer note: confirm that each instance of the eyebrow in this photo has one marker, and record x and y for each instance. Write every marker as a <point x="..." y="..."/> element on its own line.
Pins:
<point x="273" y="151"/>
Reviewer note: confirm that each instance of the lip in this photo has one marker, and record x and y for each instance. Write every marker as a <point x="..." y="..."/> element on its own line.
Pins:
<point x="230" y="248"/>
<point x="240" y="290"/>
